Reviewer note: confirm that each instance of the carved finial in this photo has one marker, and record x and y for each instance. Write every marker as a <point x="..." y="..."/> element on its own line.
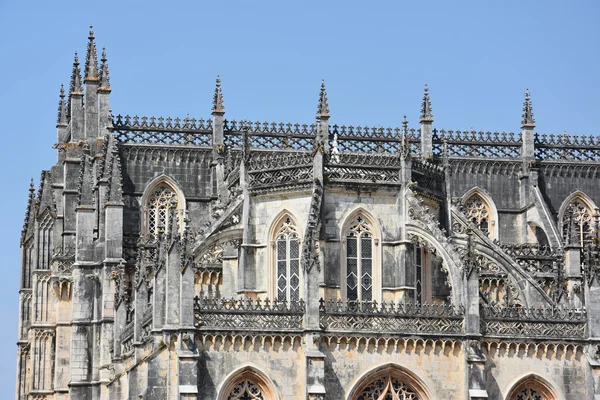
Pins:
<point x="104" y="76"/>
<point x="404" y="145"/>
<point x="323" y="108"/>
<point x="528" y="121"/>
<point x="405" y="126"/>
<point x="426" y="115"/>
<point x="75" y="87"/>
<point x="31" y="188"/>
<point x="91" y="60"/>
<point x="218" y="106"/>
<point x="62" y="107"/>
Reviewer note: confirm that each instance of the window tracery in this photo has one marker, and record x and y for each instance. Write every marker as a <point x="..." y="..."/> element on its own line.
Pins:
<point x="246" y="390"/>
<point x="578" y="217"/>
<point x="387" y="388"/>
<point x="359" y="260"/>
<point x="529" y="393"/>
<point x="287" y="262"/>
<point x="479" y="213"/>
<point x="162" y="209"/>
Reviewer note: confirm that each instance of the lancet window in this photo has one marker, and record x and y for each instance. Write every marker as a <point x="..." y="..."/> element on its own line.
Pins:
<point x="162" y="209"/>
<point x="359" y="260"/>
<point x="287" y="261"/>
<point x="529" y="393"/>
<point x="578" y="224"/>
<point x="532" y="388"/>
<point x="387" y="388"/>
<point x="479" y="213"/>
<point x="246" y="390"/>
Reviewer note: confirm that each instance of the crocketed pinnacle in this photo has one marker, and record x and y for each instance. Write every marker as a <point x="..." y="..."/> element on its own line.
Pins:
<point x="323" y="107"/>
<point x="404" y="126"/>
<point x="218" y="106"/>
<point x="426" y="115"/>
<point x="104" y="75"/>
<point x="62" y="108"/>
<point x="528" y="121"/>
<point x="91" y="58"/>
<point x="75" y="87"/>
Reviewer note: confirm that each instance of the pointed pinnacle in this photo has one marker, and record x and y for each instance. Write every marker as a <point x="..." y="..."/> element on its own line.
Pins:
<point x="91" y="58"/>
<point x="31" y="187"/>
<point x="527" y="121"/>
<point x="405" y="125"/>
<point x="426" y="115"/>
<point x="104" y="75"/>
<point x="75" y="86"/>
<point x="218" y="106"/>
<point x="323" y="107"/>
<point x="62" y="107"/>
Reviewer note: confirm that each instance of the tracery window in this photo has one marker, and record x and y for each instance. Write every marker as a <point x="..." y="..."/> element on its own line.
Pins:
<point x="529" y="393"/>
<point x="246" y="390"/>
<point x="359" y="260"/>
<point x="578" y="217"/>
<point x="162" y="209"/>
<point x="387" y="388"/>
<point x="287" y="262"/>
<point x="478" y="212"/>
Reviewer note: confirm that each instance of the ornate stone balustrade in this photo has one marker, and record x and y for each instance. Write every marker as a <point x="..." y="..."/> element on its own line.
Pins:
<point x="248" y="315"/>
<point x="268" y="169"/>
<point x="363" y="167"/>
<point x="428" y="176"/>
<point x="540" y="260"/>
<point x="127" y="338"/>
<point x="365" y="139"/>
<point x="567" y="147"/>
<point x="169" y="131"/>
<point x="371" y="317"/>
<point x="469" y="143"/>
<point x="533" y="322"/>
<point x="265" y="135"/>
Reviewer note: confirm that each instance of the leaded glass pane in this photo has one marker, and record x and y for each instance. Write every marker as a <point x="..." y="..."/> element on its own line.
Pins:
<point x="288" y="262"/>
<point x="578" y="217"/>
<point x="161" y="209"/>
<point x="281" y="268"/>
<point x="351" y="268"/>
<point x="478" y="213"/>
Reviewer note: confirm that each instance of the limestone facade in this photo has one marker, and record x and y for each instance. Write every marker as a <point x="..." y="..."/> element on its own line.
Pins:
<point x="219" y="259"/>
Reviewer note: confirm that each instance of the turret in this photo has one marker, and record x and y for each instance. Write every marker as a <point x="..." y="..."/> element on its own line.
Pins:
<point x="527" y="129"/>
<point x="91" y="88"/>
<point x="76" y="102"/>
<point x="426" y="126"/>
<point x="62" y="118"/>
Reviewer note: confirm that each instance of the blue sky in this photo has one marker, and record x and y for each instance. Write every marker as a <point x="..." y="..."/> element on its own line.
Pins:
<point x="477" y="57"/>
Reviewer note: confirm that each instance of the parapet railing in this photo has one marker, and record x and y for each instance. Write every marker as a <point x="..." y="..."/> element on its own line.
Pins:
<point x="371" y="317"/>
<point x="364" y="139"/>
<point x="270" y="135"/>
<point x="362" y="167"/>
<point x="248" y="314"/>
<point x="170" y="131"/>
<point x="551" y="322"/>
<point x="470" y="143"/>
<point x="565" y="147"/>
<point x="535" y="258"/>
<point x="269" y="169"/>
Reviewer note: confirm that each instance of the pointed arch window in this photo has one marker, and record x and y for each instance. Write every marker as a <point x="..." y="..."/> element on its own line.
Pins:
<point x="359" y="260"/>
<point x="577" y="223"/>
<point x="479" y="213"/>
<point x="287" y="261"/>
<point x="532" y="388"/>
<point x="387" y="388"/>
<point x="163" y="204"/>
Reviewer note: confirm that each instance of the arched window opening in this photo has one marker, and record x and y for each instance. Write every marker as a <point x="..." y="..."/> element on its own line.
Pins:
<point x="287" y="261"/>
<point x="479" y="213"/>
<point x="387" y="388"/>
<point x="246" y="390"/>
<point x="162" y="209"/>
<point x="532" y="388"/>
<point x="359" y="260"/>
<point x="578" y="224"/>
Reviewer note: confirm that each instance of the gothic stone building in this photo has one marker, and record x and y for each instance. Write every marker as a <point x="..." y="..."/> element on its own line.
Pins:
<point x="219" y="259"/>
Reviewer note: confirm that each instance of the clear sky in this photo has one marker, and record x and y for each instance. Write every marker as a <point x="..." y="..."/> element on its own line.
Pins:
<point x="477" y="57"/>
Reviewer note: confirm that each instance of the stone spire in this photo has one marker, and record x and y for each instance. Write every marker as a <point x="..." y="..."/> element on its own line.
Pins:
<point x="91" y="60"/>
<point x="323" y="107"/>
<point x="528" y="121"/>
<point x="404" y="145"/>
<point x="218" y="106"/>
<point x="104" y="75"/>
<point x="75" y="87"/>
<point x="426" y="115"/>
<point x="62" y="108"/>
<point x="28" y="213"/>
